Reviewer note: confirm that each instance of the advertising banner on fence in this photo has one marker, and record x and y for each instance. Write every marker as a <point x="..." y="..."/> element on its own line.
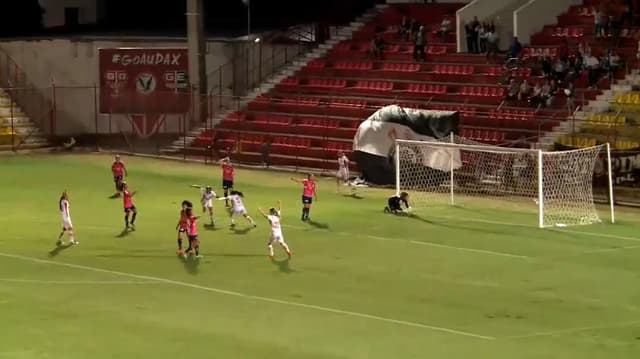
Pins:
<point x="144" y="80"/>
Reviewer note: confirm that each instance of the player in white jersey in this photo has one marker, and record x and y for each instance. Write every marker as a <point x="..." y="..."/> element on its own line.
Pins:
<point x="276" y="229"/>
<point x="67" y="226"/>
<point x="342" y="176"/>
<point x="237" y="207"/>
<point x="206" y="198"/>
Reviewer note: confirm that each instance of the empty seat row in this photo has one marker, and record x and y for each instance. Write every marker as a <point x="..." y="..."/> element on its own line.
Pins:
<point x="300" y="101"/>
<point x="489" y="136"/>
<point x="274" y="119"/>
<point x="577" y="141"/>
<point x="251" y="138"/>
<point x="374" y="85"/>
<point x="295" y="142"/>
<point x="317" y="64"/>
<point x="489" y="91"/>
<point x="328" y="83"/>
<point x="402" y="67"/>
<point x="236" y="116"/>
<point x="353" y="65"/>
<point x="453" y="69"/>
<point x="464" y="110"/>
<point x="567" y="32"/>
<point x="606" y="119"/>
<point x="631" y="98"/>
<point x="345" y="102"/>
<point x="320" y="122"/>
<point x="427" y="88"/>
<point x="290" y="81"/>
<point x="511" y="114"/>
<point x="338" y="146"/>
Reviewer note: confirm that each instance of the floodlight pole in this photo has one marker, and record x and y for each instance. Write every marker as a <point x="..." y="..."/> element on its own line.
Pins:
<point x="197" y="63"/>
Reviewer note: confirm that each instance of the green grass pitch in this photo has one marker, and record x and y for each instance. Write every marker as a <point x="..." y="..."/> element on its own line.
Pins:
<point x="456" y="282"/>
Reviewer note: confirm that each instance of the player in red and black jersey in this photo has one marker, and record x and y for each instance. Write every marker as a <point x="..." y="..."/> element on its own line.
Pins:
<point x="227" y="177"/>
<point x="182" y="225"/>
<point x="119" y="171"/>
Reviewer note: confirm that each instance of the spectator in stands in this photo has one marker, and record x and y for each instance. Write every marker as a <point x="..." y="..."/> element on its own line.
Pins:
<point x="569" y="91"/>
<point x="614" y="63"/>
<point x="593" y="67"/>
<point x="405" y="28"/>
<point x="512" y="89"/>
<point x="514" y="49"/>
<point x="559" y="70"/>
<point x="492" y="26"/>
<point x="536" y="93"/>
<point x="445" y="28"/>
<point x="413" y="29"/>
<point x="597" y="22"/>
<point x="546" y="94"/>
<point x="524" y="90"/>
<point x="482" y="38"/>
<point x="546" y="66"/>
<point x="468" y="30"/>
<point x="563" y="50"/>
<point x="419" y="42"/>
<point x="584" y="49"/>
<point x="613" y="27"/>
<point x="265" y="152"/>
<point x="492" y="45"/>
<point x="474" y="39"/>
<point x="377" y="45"/>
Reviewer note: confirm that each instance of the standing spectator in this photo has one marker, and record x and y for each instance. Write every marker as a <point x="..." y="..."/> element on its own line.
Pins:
<point x="559" y="70"/>
<point x="492" y="45"/>
<point x="512" y="89"/>
<point x="570" y="93"/>
<point x="265" y="152"/>
<point x="377" y="45"/>
<point x="413" y="28"/>
<point x="468" y="30"/>
<point x="419" y="43"/>
<point x="593" y="67"/>
<point x="614" y="63"/>
<point x="536" y="94"/>
<point x="597" y="22"/>
<point x="474" y="40"/>
<point x="515" y="49"/>
<point x="405" y="28"/>
<point x="482" y="38"/>
<point x="492" y="27"/>
<point x="563" y="51"/>
<point x="545" y="63"/>
<point x="445" y="28"/>
<point x="524" y="90"/>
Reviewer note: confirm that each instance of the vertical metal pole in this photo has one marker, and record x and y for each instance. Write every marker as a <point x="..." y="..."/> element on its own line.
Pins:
<point x="95" y="113"/>
<point x="248" y="19"/>
<point x="13" y="128"/>
<point x="397" y="153"/>
<point x="451" y="152"/>
<point x="54" y="111"/>
<point x="540" y="191"/>
<point x="610" y="177"/>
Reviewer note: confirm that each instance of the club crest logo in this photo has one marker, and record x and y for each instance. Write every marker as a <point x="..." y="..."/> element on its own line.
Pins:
<point x="146" y="83"/>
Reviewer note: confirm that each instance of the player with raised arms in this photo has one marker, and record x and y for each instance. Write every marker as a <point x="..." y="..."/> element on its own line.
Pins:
<point x="192" y="232"/>
<point x="237" y="207"/>
<point x="308" y="194"/>
<point x="182" y="225"/>
<point x="227" y="177"/>
<point x="206" y="198"/>
<point x="129" y="207"/>
<point x="394" y="204"/>
<point x="67" y="227"/>
<point x="119" y="171"/>
<point x="342" y="176"/>
<point x="276" y="229"/>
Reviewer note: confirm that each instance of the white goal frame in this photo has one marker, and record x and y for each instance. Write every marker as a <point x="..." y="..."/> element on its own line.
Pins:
<point x="538" y="153"/>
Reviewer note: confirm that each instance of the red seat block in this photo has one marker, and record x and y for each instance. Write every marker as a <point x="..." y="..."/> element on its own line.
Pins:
<point x="290" y="81"/>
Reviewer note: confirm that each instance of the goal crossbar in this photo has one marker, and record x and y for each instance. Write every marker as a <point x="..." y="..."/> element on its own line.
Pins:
<point x="559" y="182"/>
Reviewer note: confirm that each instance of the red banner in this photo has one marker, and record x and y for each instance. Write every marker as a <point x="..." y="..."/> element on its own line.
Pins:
<point x="144" y="80"/>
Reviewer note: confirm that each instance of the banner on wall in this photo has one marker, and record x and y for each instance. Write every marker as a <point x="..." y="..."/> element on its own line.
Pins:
<point x="144" y="80"/>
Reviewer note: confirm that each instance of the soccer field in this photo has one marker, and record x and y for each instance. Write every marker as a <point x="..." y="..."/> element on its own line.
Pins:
<point x="453" y="282"/>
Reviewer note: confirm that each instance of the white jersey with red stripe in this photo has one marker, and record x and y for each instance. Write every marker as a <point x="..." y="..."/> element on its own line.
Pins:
<point x="66" y="214"/>
<point x="276" y="228"/>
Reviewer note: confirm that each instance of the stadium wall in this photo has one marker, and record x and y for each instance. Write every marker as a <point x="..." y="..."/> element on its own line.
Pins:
<point x="500" y="11"/>
<point x="535" y="14"/>
<point x="66" y="72"/>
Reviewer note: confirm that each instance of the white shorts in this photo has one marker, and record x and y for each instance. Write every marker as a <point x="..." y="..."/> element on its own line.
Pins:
<point x="207" y="204"/>
<point x="66" y="223"/>
<point x="276" y="238"/>
<point x="343" y="174"/>
<point x="238" y="210"/>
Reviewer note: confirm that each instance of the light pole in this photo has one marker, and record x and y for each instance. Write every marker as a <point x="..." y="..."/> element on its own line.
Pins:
<point x="248" y="4"/>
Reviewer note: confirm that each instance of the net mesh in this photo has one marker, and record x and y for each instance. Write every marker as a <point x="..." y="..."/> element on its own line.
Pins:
<point x="488" y="176"/>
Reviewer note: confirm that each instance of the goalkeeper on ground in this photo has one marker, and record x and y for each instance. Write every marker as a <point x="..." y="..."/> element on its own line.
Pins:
<point x="394" y="204"/>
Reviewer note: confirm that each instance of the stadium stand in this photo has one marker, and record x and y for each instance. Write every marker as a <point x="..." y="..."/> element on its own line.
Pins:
<point x="315" y="112"/>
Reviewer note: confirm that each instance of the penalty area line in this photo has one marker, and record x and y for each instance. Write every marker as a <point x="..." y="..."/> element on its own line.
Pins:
<point x="249" y="296"/>
<point x="79" y="282"/>
<point x="572" y="330"/>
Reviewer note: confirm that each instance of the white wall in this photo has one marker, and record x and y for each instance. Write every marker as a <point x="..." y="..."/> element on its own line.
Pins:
<point x="54" y="11"/>
<point x="535" y="14"/>
<point x="500" y="11"/>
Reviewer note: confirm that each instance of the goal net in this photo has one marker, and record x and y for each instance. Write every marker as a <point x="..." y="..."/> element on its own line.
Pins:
<point x="456" y="171"/>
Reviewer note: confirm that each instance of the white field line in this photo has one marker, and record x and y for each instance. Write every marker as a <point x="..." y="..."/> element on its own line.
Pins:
<point x="249" y="296"/>
<point x="78" y="282"/>
<point x="573" y="330"/>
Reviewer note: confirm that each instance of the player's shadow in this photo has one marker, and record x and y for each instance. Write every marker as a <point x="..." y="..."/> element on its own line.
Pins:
<point x="417" y="218"/>
<point x="59" y="249"/>
<point x="114" y="196"/>
<point x="125" y="232"/>
<point x="242" y="231"/>
<point x="283" y="265"/>
<point x="191" y="264"/>
<point x="210" y="227"/>
<point x="352" y="196"/>
<point x="318" y="225"/>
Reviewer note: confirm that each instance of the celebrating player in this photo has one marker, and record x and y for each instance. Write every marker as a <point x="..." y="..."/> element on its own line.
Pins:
<point x="308" y="194"/>
<point x="192" y="232"/>
<point x="227" y="177"/>
<point x="129" y="207"/>
<point x="206" y="198"/>
<point x="343" y="172"/>
<point x="119" y="172"/>
<point x="394" y="204"/>
<point x="182" y="225"/>
<point x="67" y="227"/>
<point x="237" y="207"/>
<point x="276" y="230"/>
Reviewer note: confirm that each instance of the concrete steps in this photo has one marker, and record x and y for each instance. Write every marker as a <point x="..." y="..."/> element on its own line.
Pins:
<point x="27" y="134"/>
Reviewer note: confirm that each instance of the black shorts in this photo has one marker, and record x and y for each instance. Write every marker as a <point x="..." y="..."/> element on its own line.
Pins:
<point x="227" y="184"/>
<point x="307" y="200"/>
<point x="393" y="204"/>
<point x="129" y="209"/>
<point x="117" y="179"/>
<point x="193" y="239"/>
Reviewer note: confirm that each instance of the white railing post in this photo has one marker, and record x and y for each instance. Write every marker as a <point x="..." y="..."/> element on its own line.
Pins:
<point x="540" y="191"/>
<point x="610" y="178"/>
<point x="397" y="161"/>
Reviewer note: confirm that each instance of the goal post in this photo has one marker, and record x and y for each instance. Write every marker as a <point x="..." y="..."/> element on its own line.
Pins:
<point x="558" y="185"/>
